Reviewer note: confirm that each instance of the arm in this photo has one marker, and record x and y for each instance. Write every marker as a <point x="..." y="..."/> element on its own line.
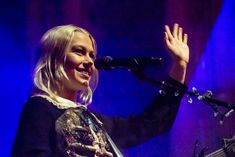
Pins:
<point x="156" y="119"/>
<point x="159" y="116"/>
<point x="176" y="43"/>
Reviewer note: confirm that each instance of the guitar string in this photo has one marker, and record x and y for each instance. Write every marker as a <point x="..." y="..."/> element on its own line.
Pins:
<point x="216" y="153"/>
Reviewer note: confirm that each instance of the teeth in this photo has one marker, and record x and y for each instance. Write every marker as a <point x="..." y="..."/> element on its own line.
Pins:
<point x="84" y="71"/>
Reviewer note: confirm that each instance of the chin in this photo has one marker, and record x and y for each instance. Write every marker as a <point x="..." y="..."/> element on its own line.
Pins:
<point x="80" y="84"/>
<point x="84" y="83"/>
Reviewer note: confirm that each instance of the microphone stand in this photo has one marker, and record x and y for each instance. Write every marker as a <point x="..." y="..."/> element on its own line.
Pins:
<point x="206" y="98"/>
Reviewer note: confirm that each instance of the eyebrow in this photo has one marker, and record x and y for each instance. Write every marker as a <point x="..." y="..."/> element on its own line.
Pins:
<point x="83" y="47"/>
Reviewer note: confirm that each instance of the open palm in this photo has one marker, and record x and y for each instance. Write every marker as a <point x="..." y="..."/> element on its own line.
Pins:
<point x="176" y="43"/>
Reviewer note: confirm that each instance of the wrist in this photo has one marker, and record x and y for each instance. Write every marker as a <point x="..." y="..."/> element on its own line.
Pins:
<point x="180" y="64"/>
<point x="178" y="70"/>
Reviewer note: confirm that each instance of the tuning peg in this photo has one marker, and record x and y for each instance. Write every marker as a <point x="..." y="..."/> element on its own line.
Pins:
<point x="194" y="89"/>
<point x="228" y="113"/>
<point x="200" y="97"/>
<point x="221" y="122"/>
<point x="189" y="99"/>
<point x="216" y="114"/>
<point x="177" y="93"/>
<point x="162" y="92"/>
<point x="208" y="93"/>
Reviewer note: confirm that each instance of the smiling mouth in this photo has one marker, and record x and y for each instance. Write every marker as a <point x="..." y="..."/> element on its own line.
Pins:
<point x="85" y="73"/>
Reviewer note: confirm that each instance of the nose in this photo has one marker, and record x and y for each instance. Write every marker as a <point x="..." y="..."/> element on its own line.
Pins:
<point x="88" y="62"/>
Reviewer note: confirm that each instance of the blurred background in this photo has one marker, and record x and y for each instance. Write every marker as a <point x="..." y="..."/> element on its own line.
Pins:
<point x="126" y="29"/>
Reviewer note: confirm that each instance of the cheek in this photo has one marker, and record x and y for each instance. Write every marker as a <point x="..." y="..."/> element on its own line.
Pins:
<point x="70" y="68"/>
<point x="72" y="61"/>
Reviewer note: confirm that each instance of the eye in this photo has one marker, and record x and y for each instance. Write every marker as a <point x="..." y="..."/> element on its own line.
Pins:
<point x="79" y="50"/>
<point x="92" y="56"/>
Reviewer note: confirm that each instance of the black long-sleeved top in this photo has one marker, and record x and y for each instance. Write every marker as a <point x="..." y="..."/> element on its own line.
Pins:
<point x="47" y="131"/>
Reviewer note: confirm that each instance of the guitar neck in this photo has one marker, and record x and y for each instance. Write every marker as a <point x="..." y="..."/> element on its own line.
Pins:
<point x="218" y="153"/>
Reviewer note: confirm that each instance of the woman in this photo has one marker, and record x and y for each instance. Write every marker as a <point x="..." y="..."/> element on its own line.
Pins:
<point x="55" y="121"/>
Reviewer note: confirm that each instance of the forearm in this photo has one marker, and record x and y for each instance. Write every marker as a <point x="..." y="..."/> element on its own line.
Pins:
<point x="157" y="118"/>
<point x="176" y="43"/>
<point x="178" y="71"/>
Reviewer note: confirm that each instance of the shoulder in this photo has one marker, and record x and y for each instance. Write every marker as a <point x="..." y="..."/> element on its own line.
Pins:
<point x="38" y="107"/>
<point x="37" y="100"/>
<point x="36" y="104"/>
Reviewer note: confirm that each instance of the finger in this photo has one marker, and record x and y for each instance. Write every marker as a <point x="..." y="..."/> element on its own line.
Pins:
<point x="166" y="36"/>
<point x="168" y="32"/>
<point x="185" y="40"/>
<point x="175" y="30"/>
<point x="180" y="35"/>
<point x="167" y="41"/>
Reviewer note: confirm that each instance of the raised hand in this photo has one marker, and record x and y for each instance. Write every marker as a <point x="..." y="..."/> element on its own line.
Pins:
<point x="176" y="43"/>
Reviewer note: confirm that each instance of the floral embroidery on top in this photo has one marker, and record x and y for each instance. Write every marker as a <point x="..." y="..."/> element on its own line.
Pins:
<point x="79" y="134"/>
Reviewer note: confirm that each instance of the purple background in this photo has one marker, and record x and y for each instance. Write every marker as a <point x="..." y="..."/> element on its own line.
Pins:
<point x="127" y="28"/>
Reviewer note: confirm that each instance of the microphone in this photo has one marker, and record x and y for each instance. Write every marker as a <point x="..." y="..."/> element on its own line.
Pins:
<point x="108" y="62"/>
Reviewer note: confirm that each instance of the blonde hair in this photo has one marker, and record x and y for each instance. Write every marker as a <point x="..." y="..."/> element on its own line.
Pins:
<point x="49" y="70"/>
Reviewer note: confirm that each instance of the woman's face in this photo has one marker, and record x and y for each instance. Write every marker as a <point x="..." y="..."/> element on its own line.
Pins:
<point x="79" y="63"/>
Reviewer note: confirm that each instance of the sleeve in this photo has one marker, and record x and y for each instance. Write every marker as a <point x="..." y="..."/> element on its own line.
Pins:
<point x="34" y="135"/>
<point x="157" y="118"/>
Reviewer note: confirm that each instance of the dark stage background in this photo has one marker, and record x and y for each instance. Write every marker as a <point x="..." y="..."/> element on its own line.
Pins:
<point x="127" y="28"/>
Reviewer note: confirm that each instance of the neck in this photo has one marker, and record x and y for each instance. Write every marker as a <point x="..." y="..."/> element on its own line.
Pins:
<point x="68" y="94"/>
